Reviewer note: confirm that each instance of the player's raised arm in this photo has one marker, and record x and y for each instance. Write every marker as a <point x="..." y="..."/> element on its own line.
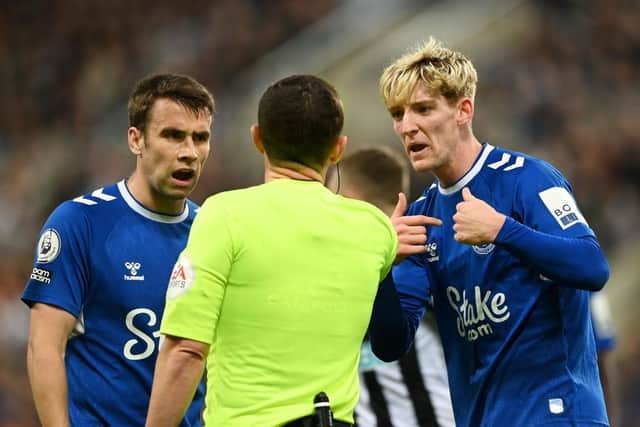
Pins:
<point x="390" y="330"/>
<point x="476" y="223"/>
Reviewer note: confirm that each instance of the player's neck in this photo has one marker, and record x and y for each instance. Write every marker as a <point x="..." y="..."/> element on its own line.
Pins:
<point x="462" y="159"/>
<point x="292" y="170"/>
<point x="152" y="200"/>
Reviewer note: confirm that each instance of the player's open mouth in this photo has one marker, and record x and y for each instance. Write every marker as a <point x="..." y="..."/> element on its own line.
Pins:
<point x="183" y="175"/>
<point x="414" y="148"/>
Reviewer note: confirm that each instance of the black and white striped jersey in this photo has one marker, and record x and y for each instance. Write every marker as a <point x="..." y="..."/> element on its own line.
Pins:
<point x="412" y="392"/>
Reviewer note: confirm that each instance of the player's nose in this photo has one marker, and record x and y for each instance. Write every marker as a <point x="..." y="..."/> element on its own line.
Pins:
<point x="408" y="124"/>
<point x="188" y="149"/>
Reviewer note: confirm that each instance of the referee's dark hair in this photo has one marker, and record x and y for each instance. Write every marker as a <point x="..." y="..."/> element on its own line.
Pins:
<point x="300" y="119"/>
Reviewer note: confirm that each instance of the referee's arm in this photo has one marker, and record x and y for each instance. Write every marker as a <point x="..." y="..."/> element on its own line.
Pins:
<point x="178" y="371"/>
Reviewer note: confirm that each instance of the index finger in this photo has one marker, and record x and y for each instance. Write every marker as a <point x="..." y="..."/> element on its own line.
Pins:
<point x="420" y="220"/>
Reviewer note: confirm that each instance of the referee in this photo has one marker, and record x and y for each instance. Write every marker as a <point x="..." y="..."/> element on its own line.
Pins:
<point x="276" y="285"/>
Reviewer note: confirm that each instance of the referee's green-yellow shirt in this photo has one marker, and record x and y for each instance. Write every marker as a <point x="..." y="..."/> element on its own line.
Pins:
<point x="280" y="280"/>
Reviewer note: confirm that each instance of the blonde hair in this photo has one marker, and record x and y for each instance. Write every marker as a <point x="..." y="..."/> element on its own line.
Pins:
<point x="444" y="71"/>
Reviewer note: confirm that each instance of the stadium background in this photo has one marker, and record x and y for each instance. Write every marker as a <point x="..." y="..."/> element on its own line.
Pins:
<point x="558" y="79"/>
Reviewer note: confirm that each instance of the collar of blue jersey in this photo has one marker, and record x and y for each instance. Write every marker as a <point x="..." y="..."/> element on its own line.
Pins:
<point x="154" y="216"/>
<point x="471" y="173"/>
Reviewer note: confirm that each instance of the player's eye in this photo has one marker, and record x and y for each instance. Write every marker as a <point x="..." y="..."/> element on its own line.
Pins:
<point x="396" y="114"/>
<point x="173" y="134"/>
<point x="422" y="109"/>
<point x="201" y="136"/>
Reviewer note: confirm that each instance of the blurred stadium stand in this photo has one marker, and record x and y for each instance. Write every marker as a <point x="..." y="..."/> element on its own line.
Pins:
<point x="558" y="79"/>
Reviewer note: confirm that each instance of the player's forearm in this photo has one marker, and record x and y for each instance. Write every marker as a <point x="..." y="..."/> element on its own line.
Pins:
<point x="390" y="331"/>
<point x="48" y="380"/>
<point x="575" y="262"/>
<point x="177" y="373"/>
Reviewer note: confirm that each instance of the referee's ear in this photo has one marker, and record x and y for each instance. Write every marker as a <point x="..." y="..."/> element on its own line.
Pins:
<point x="257" y="138"/>
<point x="135" y="139"/>
<point x="338" y="149"/>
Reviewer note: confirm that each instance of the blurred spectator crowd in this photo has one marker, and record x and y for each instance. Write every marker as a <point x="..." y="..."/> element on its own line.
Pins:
<point x="568" y="92"/>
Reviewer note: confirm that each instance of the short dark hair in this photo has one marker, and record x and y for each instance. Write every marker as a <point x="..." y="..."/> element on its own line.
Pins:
<point x="300" y="119"/>
<point x="378" y="174"/>
<point x="182" y="89"/>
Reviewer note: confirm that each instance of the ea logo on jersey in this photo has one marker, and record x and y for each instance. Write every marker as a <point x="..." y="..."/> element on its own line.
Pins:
<point x="181" y="277"/>
<point x="483" y="249"/>
<point x="48" y="246"/>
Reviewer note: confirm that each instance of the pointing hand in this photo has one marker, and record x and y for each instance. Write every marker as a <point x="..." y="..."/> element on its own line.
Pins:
<point x="411" y="230"/>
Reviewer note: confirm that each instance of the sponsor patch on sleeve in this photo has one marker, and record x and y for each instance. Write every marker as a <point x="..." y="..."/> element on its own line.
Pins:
<point x="181" y="277"/>
<point x="41" y="275"/>
<point x="48" y="246"/>
<point x="562" y="206"/>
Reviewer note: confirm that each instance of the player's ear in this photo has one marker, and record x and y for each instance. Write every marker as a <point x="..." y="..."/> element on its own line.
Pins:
<point x="338" y="149"/>
<point x="256" y="138"/>
<point x="135" y="138"/>
<point x="464" y="114"/>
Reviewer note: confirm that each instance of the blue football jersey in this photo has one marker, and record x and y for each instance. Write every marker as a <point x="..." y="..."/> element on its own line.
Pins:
<point x="519" y="347"/>
<point x="106" y="259"/>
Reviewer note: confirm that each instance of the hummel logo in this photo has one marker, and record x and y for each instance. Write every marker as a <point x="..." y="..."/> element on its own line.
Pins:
<point x="432" y="254"/>
<point x="133" y="268"/>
